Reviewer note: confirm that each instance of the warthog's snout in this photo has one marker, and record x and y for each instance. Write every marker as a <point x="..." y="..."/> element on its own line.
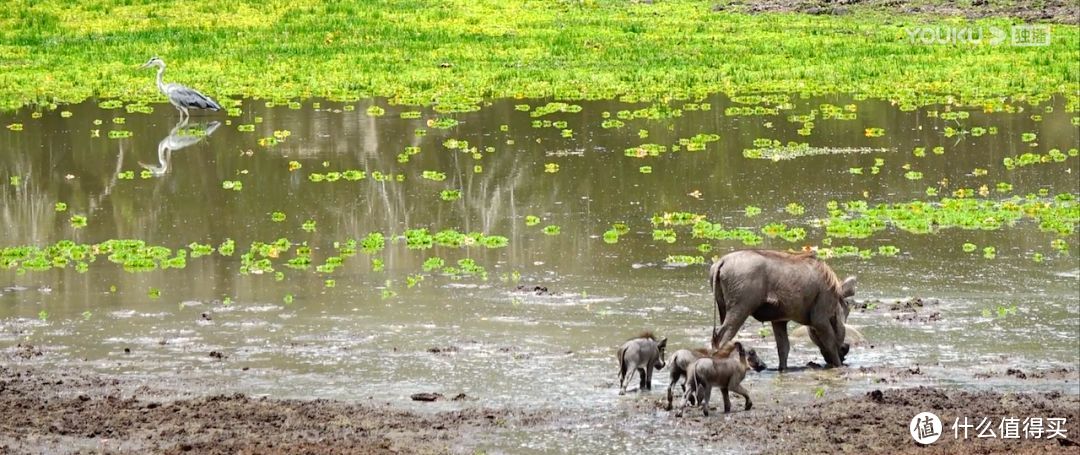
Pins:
<point x="844" y="348"/>
<point x="754" y="361"/>
<point x="660" y="364"/>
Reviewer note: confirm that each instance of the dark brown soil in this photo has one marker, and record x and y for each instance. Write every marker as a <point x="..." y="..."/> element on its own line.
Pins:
<point x="77" y="412"/>
<point x="1062" y="11"/>
<point x="49" y="412"/>
<point x="878" y="423"/>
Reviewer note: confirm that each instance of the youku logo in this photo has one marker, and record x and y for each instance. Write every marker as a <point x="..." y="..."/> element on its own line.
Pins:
<point x="1018" y="35"/>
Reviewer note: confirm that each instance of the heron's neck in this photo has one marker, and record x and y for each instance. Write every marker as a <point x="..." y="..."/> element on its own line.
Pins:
<point x="160" y="84"/>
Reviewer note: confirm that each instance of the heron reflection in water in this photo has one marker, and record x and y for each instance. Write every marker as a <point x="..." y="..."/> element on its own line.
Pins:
<point x="180" y="137"/>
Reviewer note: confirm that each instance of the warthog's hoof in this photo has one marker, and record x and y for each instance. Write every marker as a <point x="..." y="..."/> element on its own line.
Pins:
<point x="748" y="406"/>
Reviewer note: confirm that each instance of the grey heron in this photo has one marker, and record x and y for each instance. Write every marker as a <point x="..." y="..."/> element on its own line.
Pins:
<point x="182" y="97"/>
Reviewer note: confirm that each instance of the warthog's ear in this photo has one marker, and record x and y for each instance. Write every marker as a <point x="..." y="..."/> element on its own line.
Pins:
<point x="848" y="288"/>
<point x="662" y="343"/>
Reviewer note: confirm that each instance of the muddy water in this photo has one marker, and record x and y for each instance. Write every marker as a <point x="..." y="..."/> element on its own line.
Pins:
<point x="371" y="336"/>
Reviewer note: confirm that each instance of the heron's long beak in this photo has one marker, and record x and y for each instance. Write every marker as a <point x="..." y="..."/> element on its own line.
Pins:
<point x="144" y="65"/>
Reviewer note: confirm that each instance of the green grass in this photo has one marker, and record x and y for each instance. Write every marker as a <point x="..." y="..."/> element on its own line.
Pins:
<point x="455" y="53"/>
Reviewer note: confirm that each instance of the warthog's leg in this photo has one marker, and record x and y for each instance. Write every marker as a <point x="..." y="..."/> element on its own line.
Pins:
<point x="625" y="376"/>
<point x="738" y="388"/>
<point x="732" y="323"/>
<point x="727" y="400"/>
<point x="783" y="346"/>
<point x="676" y="374"/>
<point x="823" y="336"/>
<point x="704" y="391"/>
<point x="643" y="374"/>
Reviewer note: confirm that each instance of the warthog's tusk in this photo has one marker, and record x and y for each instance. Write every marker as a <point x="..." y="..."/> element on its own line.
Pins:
<point x="852" y="335"/>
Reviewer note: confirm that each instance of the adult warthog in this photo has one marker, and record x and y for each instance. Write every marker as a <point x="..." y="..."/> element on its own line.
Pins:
<point x="778" y="287"/>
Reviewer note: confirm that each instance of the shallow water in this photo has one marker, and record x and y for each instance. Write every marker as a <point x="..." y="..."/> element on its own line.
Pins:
<point x="502" y="347"/>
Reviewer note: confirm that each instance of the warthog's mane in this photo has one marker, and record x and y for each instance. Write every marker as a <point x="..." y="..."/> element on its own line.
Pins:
<point x="702" y="351"/>
<point x="645" y="334"/>
<point x="809" y="256"/>
<point x="726" y="350"/>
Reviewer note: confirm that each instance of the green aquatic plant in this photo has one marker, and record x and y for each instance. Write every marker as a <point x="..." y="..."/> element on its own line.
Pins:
<point x="664" y="235"/>
<point x="227" y="247"/>
<point x="554" y="107"/>
<point x="531" y="220"/>
<point x="373" y="243"/>
<point x="792" y="234"/>
<point x="418" y="239"/>
<point x="78" y="221"/>
<point x="442" y="123"/>
<point x="888" y="250"/>
<point x="645" y="150"/>
<point x="308" y="226"/>
<point x="1028" y="159"/>
<point x="199" y="250"/>
<point x="751" y="211"/>
<point x="60" y="207"/>
<point x="434" y="175"/>
<point x="551" y="229"/>
<point x="999" y="312"/>
<point x="450" y="195"/>
<point x="684" y="260"/>
<point x="433" y="264"/>
<point x="676" y="219"/>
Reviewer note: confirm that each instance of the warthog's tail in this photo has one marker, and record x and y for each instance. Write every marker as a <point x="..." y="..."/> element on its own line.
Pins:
<point x="622" y="365"/>
<point x="718" y="298"/>
<point x="690" y="395"/>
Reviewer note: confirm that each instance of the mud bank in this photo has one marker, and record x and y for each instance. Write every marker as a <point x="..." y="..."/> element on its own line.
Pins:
<point x="73" y="412"/>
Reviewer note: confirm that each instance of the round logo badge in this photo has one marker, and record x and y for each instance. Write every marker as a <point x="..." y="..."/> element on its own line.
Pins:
<point x="925" y="428"/>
